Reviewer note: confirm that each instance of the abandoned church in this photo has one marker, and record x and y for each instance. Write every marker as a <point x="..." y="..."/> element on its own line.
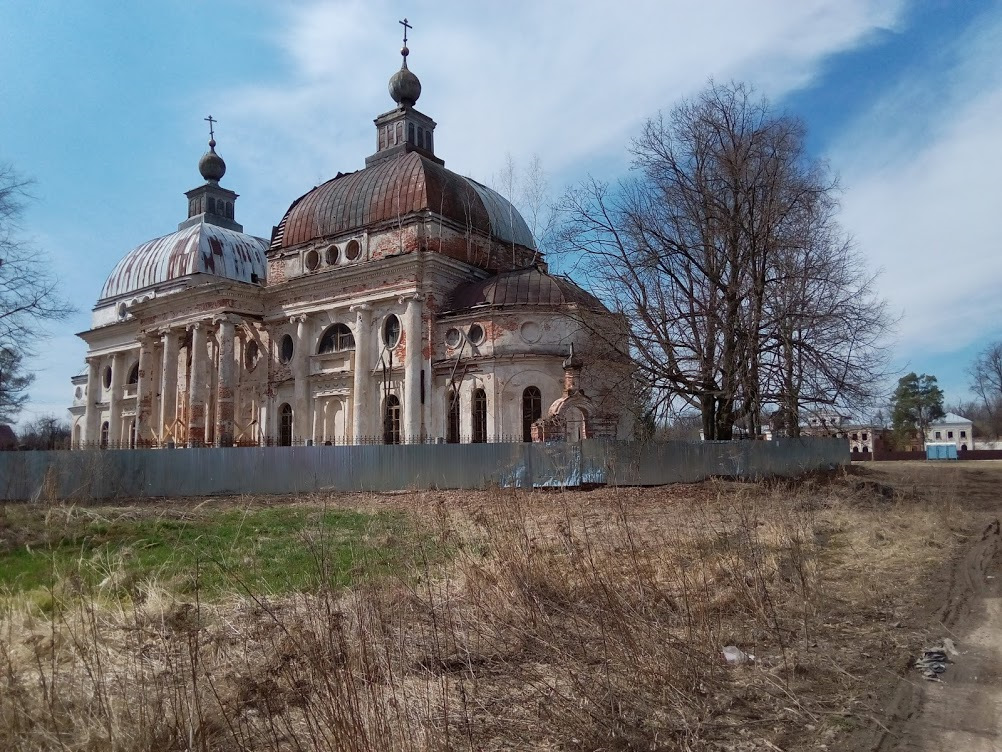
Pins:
<point x="399" y="303"/>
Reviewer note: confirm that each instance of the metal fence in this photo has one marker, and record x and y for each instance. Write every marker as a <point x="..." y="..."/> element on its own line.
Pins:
<point x="96" y="474"/>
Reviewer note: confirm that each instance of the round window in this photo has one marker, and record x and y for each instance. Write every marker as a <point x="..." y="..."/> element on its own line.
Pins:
<point x="332" y="254"/>
<point x="530" y="332"/>
<point x="453" y="337"/>
<point x="107" y="376"/>
<point x="391" y="331"/>
<point x="353" y="250"/>
<point x="122" y="310"/>
<point x="286" y="348"/>
<point x="251" y="355"/>
<point x="476" y="334"/>
<point x="312" y="260"/>
<point x="78" y="392"/>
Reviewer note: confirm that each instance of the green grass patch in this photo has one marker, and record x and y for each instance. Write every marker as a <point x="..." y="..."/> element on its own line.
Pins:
<point x="246" y="549"/>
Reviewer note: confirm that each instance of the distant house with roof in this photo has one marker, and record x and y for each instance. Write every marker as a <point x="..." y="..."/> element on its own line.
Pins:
<point x="951" y="428"/>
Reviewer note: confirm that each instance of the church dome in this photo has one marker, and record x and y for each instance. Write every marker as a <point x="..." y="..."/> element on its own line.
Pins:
<point x="199" y="248"/>
<point x="211" y="165"/>
<point x="394" y="188"/>
<point x="530" y="286"/>
<point x="405" y="87"/>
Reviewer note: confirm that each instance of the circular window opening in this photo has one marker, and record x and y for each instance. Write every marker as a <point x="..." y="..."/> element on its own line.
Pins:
<point x="286" y="349"/>
<point x="332" y="254"/>
<point x="312" y="260"/>
<point x="453" y="337"/>
<point x="107" y="376"/>
<point x="78" y="392"/>
<point x="122" y="310"/>
<point x="353" y="250"/>
<point x="530" y="332"/>
<point x="476" y="334"/>
<point x="251" y="354"/>
<point x="391" y="331"/>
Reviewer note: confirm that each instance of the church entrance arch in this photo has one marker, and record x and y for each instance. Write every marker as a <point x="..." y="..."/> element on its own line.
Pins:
<point x="285" y="424"/>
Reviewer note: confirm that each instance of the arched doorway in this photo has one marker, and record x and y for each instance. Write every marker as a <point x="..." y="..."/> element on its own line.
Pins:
<point x="452" y="429"/>
<point x="479" y="409"/>
<point x="285" y="424"/>
<point x="532" y="410"/>
<point x="391" y="420"/>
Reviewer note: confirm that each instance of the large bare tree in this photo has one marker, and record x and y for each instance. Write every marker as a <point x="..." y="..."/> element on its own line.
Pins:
<point x="722" y="251"/>
<point x="28" y="294"/>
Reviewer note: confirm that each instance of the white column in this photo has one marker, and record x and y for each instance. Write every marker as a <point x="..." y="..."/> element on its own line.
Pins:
<point x="301" y="386"/>
<point x="144" y="392"/>
<point x="92" y="429"/>
<point x="225" y="386"/>
<point x="168" y="386"/>
<point x="115" y="432"/>
<point x="360" y="398"/>
<point x="412" y="369"/>
<point x="197" y="387"/>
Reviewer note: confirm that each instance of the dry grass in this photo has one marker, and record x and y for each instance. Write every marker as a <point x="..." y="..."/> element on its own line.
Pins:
<point x="560" y="621"/>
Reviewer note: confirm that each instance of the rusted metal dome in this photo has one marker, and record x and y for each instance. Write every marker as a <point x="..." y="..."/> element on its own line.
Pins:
<point x="530" y="286"/>
<point x="200" y="248"/>
<point x="392" y="190"/>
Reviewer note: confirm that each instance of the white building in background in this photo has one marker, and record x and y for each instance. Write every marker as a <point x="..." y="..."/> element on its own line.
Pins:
<point x="951" y="428"/>
<point x="401" y="302"/>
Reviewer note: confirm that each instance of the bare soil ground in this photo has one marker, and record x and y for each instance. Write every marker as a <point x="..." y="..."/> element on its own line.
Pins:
<point x="577" y="620"/>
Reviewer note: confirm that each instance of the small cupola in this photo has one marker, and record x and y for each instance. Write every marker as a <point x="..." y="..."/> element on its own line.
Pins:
<point x="211" y="203"/>
<point x="404" y="129"/>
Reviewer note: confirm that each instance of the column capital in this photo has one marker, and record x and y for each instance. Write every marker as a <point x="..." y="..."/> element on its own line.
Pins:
<point x="299" y="318"/>
<point x="227" y="318"/>
<point x="363" y="307"/>
<point x="411" y="298"/>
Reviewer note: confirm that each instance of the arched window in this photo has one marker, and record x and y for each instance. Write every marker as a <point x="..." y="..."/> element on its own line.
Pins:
<point x="452" y="429"/>
<point x="105" y="431"/>
<point x="391" y="421"/>
<point x="532" y="410"/>
<point x="133" y="375"/>
<point x="132" y="434"/>
<point x="285" y="424"/>
<point x="391" y="331"/>
<point x="337" y="338"/>
<point x="479" y="416"/>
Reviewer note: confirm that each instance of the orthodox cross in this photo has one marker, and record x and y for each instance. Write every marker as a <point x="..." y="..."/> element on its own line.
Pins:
<point x="406" y="27"/>
<point x="210" y="120"/>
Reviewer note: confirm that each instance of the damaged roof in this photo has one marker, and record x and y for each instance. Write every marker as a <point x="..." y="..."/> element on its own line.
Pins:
<point x="392" y="189"/>
<point x="201" y="248"/>
<point x="529" y="286"/>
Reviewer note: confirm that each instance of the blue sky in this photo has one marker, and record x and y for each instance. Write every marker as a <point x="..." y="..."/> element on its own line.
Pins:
<point x="103" y="105"/>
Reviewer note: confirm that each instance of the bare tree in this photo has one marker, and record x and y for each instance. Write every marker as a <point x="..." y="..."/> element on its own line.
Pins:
<point x="715" y="250"/>
<point x="28" y="295"/>
<point x="986" y="383"/>
<point x="46" y="432"/>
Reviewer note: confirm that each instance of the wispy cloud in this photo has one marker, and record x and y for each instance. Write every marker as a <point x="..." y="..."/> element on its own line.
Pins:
<point x="921" y="175"/>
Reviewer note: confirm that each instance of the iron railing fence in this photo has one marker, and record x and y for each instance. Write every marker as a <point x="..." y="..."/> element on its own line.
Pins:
<point x="96" y="474"/>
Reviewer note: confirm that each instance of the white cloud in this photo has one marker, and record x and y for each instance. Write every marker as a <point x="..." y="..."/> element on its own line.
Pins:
<point x="921" y="172"/>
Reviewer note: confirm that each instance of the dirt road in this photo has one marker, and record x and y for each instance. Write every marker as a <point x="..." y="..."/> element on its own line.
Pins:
<point x="964" y="710"/>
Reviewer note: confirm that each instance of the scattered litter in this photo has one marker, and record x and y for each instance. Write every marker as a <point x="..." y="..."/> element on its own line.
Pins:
<point x="737" y="656"/>
<point x="934" y="659"/>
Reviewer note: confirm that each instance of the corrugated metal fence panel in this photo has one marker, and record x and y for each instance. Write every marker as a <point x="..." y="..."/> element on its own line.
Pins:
<point x="205" y="472"/>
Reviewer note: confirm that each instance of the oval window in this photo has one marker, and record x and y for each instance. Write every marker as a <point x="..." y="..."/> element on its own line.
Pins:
<point x="122" y="310"/>
<point x="251" y="354"/>
<point x="332" y="254"/>
<point x="312" y="260"/>
<point x="78" y="392"/>
<point x="107" y="376"/>
<point x="353" y="250"/>
<point x="391" y="331"/>
<point x="286" y="349"/>
<point x="453" y="337"/>
<point x="476" y="334"/>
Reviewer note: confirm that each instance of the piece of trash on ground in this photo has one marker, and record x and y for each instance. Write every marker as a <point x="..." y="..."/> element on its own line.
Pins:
<point x="934" y="659"/>
<point x="737" y="656"/>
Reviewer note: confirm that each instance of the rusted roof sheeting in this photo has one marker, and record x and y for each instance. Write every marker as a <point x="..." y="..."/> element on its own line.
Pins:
<point x="201" y="248"/>
<point x="522" y="287"/>
<point x="394" y="188"/>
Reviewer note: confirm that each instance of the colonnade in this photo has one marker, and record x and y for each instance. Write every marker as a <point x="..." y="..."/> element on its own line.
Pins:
<point x="202" y="412"/>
